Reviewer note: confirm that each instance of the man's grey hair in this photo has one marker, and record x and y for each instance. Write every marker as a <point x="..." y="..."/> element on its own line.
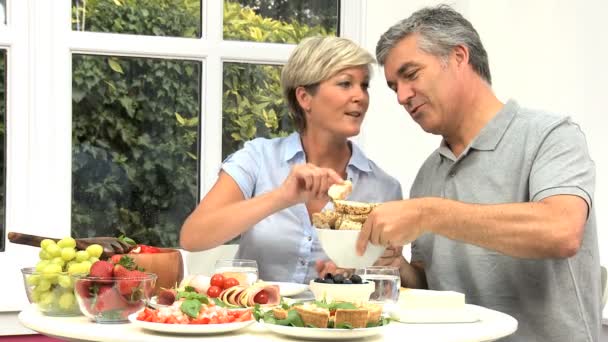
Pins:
<point x="439" y="29"/>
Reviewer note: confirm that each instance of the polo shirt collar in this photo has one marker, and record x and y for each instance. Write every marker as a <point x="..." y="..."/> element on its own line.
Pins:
<point x="489" y="137"/>
<point x="293" y="148"/>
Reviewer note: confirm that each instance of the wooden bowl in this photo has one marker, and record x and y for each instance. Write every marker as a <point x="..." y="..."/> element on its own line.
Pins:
<point x="168" y="265"/>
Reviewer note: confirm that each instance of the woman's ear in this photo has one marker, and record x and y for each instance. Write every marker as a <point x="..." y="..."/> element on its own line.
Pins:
<point x="304" y="98"/>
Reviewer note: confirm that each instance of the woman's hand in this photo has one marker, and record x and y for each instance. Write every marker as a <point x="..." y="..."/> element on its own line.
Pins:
<point x="307" y="182"/>
<point x="326" y="266"/>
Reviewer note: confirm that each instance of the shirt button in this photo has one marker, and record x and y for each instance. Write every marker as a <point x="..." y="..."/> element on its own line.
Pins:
<point x="302" y="262"/>
<point x="452" y="174"/>
<point x="309" y="238"/>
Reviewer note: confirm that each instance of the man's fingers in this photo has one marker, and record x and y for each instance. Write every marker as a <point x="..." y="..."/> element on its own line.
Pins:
<point x="364" y="236"/>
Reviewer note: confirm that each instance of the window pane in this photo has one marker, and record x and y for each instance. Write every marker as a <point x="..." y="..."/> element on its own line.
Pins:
<point x="253" y="105"/>
<point x="134" y="146"/>
<point x="2" y="146"/>
<point x="3" y="11"/>
<point x="279" y="21"/>
<point x="175" y="18"/>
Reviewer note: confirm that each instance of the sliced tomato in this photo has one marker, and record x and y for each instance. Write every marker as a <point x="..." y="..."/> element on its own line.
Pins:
<point x="261" y="297"/>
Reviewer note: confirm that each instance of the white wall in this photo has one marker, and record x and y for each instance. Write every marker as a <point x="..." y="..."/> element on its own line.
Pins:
<point x="546" y="54"/>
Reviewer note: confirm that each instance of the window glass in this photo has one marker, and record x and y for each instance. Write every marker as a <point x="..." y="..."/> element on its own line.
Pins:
<point x="279" y="21"/>
<point x="134" y="146"/>
<point x="2" y="146"/>
<point x="3" y="11"/>
<point x="253" y="105"/>
<point x="176" y="18"/>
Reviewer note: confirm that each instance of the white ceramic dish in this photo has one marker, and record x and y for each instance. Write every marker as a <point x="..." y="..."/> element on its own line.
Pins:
<point x="465" y="314"/>
<point x="339" y="245"/>
<point x="323" y="333"/>
<point x="289" y="289"/>
<point x="342" y="292"/>
<point x="189" y="329"/>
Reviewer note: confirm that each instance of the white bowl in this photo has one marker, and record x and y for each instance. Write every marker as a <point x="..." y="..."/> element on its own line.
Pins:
<point x="339" y="245"/>
<point x="342" y="292"/>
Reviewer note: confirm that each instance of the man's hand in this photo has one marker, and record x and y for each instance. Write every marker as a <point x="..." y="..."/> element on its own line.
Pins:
<point x="391" y="224"/>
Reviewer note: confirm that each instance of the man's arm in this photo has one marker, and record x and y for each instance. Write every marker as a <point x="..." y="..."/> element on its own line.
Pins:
<point x="550" y="228"/>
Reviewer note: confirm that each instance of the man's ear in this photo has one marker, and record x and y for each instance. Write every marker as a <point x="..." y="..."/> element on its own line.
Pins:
<point x="460" y="53"/>
<point x="303" y="98"/>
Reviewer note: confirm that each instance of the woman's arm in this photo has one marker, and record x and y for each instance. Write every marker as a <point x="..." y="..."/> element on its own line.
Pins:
<point x="224" y="213"/>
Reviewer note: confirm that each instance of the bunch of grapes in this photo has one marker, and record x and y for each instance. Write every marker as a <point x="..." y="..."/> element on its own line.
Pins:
<point x="52" y="284"/>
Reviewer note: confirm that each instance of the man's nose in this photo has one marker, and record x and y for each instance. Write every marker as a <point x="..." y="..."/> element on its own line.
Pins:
<point x="404" y="94"/>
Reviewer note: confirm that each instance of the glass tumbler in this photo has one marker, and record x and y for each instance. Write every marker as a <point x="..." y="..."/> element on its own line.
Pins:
<point x="387" y="282"/>
<point x="243" y="270"/>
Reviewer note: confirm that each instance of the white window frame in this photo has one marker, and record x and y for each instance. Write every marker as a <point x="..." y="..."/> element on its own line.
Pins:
<point x="40" y="43"/>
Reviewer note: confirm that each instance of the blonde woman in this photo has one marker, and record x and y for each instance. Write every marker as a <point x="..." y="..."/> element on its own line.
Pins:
<point x="267" y="191"/>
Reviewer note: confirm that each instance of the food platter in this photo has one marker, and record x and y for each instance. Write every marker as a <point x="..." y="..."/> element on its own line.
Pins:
<point x="323" y="333"/>
<point x="189" y="329"/>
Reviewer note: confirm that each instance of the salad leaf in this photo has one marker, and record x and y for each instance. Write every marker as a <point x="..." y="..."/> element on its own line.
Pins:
<point x="192" y="295"/>
<point x="191" y="307"/>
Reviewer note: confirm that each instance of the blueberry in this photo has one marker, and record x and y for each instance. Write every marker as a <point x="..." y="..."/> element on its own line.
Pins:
<point x="339" y="279"/>
<point x="347" y="281"/>
<point x="329" y="276"/>
<point x="319" y="280"/>
<point x="356" y="279"/>
<point x="329" y="281"/>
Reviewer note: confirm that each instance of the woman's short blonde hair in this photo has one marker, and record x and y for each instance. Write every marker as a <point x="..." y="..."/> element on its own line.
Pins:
<point x="314" y="60"/>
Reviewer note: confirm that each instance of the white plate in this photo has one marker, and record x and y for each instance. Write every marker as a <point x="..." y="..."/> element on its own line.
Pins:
<point x="323" y="333"/>
<point x="188" y="329"/>
<point x="289" y="289"/>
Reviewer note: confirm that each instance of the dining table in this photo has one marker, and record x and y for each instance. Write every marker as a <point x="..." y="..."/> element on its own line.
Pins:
<point x="490" y="326"/>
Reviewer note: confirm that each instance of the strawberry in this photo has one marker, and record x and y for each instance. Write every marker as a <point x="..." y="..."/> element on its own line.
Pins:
<point x="108" y="299"/>
<point x="85" y="288"/>
<point x="130" y="284"/>
<point x="101" y="269"/>
<point x="115" y="259"/>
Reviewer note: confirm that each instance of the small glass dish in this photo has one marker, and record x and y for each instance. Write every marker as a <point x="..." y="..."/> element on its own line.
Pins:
<point x="112" y="299"/>
<point x="52" y="293"/>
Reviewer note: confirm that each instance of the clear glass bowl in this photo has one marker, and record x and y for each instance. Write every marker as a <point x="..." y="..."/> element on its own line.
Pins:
<point x="111" y="299"/>
<point x="53" y="294"/>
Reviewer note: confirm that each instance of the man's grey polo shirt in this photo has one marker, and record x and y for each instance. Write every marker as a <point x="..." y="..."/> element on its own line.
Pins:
<point x="520" y="156"/>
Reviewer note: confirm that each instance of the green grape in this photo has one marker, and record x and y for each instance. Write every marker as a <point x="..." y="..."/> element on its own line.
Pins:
<point x="32" y="279"/>
<point x="50" y="272"/>
<point x="78" y="268"/>
<point x="68" y="242"/>
<point x="82" y="256"/>
<point x="68" y="253"/>
<point x="53" y="250"/>
<point x="41" y="265"/>
<point x="43" y="285"/>
<point x="86" y="265"/>
<point x="46" y="299"/>
<point x="46" y="242"/>
<point x="65" y="281"/>
<point x="67" y="300"/>
<point x="95" y="250"/>
<point x="93" y="260"/>
<point x="35" y="296"/>
<point x="58" y="261"/>
<point x="44" y="255"/>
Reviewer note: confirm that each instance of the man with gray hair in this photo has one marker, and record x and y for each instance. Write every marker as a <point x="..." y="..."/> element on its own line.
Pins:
<point x="503" y="210"/>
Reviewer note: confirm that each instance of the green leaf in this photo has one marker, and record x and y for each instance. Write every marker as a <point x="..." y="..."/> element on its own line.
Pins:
<point x="180" y="119"/>
<point x="191" y="307"/>
<point x="114" y="65"/>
